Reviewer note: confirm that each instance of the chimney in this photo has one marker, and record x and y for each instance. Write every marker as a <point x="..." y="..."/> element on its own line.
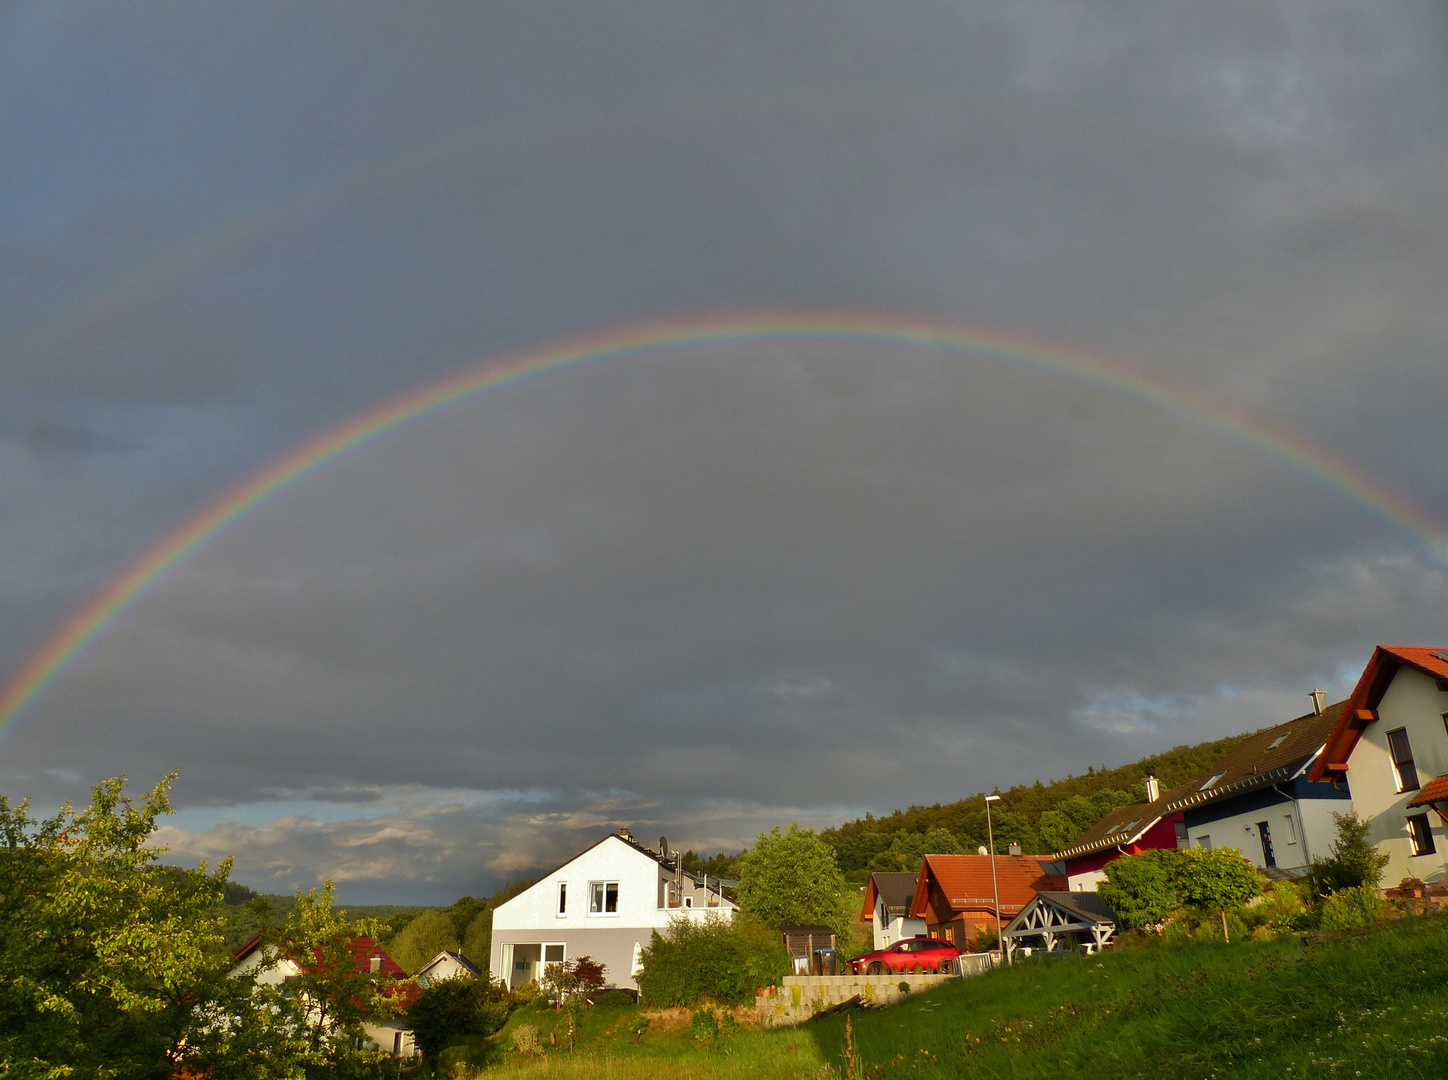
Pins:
<point x="376" y="967"/>
<point x="1014" y="849"/>
<point x="624" y="834"/>
<point x="1316" y="702"/>
<point x="1153" y="789"/>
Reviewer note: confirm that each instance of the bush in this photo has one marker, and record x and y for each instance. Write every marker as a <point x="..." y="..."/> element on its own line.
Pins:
<point x="725" y="961"/>
<point x="1350" y="908"/>
<point x="579" y="975"/>
<point x="1141" y="889"/>
<point x="458" y="1007"/>
<point x="703" y="1025"/>
<point x="612" y="999"/>
<point x="1217" y="880"/>
<point x="1353" y="862"/>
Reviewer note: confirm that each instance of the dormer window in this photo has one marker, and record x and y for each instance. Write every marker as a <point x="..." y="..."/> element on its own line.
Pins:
<point x="1212" y="782"/>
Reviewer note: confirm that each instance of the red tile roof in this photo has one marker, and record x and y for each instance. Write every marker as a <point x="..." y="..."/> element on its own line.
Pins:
<point x="966" y="881"/>
<point x="1431" y="792"/>
<point x="1361" y="707"/>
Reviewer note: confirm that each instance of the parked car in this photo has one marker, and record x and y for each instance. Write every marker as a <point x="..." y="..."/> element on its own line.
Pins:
<point x="911" y="954"/>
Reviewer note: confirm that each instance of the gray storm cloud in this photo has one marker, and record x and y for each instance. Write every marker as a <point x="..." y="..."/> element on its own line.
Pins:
<point x="645" y="592"/>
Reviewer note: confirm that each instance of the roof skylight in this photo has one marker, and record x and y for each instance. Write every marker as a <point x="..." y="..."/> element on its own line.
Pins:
<point x="1275" y="743"/>
<point x="1212" y="782"/>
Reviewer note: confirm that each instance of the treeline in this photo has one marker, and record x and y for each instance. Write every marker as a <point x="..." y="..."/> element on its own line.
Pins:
<point x="1042" y="818"/>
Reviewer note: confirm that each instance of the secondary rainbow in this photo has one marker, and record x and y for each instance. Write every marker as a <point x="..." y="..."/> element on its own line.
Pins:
<point x="637" y="342"/>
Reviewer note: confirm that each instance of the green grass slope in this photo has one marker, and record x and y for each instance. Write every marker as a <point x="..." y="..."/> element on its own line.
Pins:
<point x="1374" y="1005"/>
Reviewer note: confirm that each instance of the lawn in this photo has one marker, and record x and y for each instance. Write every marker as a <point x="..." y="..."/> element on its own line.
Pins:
<point x="1373" y="1005"/>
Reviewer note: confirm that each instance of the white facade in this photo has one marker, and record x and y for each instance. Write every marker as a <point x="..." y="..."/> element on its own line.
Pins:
<point x="1414" y="704"/>
<point x="442" y="967"/>
<point x="889" y="930"/>
<point x="1243" y="832"/>
<point x="604" y="903"/>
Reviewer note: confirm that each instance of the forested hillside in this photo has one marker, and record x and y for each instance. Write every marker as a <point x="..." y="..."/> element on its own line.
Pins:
<point x="1042" y="818"/>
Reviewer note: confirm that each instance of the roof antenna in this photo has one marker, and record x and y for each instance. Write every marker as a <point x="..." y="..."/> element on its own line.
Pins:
<point x="1317" y="704"/>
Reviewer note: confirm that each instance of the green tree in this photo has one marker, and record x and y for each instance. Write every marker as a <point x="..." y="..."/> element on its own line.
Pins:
<point x="1352" y="861"/>
<point x="1057" y="830"/>
<point x="792" y="879"/>
<point x="1141" y="889"/>
<point x="478" y="938"/>
<point x="423" y="938"/>
<point x="1217" y="880"/>
<point x="109" y="962"/>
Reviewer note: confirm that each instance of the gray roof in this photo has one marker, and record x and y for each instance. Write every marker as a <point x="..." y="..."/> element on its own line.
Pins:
<point x="897" y="890"/>
<point x="1085" y="904"/>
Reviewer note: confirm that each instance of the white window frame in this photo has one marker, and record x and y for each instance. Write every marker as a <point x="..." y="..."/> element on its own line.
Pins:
<point x="603" y="912"/>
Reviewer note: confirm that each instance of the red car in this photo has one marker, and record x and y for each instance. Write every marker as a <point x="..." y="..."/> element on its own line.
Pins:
<point x="910" y="954"/>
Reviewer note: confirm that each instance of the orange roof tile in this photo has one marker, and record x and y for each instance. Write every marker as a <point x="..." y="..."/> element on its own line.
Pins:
<point x="1431" y="792"/>
<point x="966" y="881"/>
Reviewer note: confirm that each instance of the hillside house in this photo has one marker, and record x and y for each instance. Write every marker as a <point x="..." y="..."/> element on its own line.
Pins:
<point x="1391" y="744"/>
<point x="887" y="908"/>
<point x="260" y="962"/>
<point x="1259" y="800"/>
<point x="605" y="902"/>
<point x="955" y="896"/>
<point x="444" y="966"/>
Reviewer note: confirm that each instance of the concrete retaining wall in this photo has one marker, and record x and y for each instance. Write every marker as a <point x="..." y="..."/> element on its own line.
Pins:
<point x="802" y="996"/>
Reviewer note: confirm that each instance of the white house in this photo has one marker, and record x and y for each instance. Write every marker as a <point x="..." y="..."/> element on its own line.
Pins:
<point x="444" y="966"/>
<point x="605" y="902"/>
<point x="1391" y="746"/>
<point x="887" y="908"/>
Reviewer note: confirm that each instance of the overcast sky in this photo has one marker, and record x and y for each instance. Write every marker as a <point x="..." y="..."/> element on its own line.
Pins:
<point x="721" y="586"/>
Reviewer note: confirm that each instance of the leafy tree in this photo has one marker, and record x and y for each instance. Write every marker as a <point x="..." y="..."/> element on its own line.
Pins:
<point x="423" y="938"/>
<point x="109" y="962"/>
<point x="1217" y="880"/>
<point x="454" y="1008"/>
<point x="478" y="938"/>
<point x="1141" y="889"/>
<point x="1057" y="830"/>
<point x="792" y="879"/>
<point x="1353" y="860"/>
<point x="579" y="975"/>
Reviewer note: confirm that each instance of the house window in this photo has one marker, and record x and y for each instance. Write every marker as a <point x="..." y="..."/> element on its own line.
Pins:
<point x="1403" y="760"/>
<point x="1204" y="842"/>
<point x="603" y="898"/>
<point x="563" y="898"/>
<point x="1183" y="841"/>
<point x="1421" y="834"/>
<point x="1291" y="830"/>
<point x="1212" y="782"/>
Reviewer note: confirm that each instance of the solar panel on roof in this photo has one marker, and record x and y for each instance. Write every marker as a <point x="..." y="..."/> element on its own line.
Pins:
<point x="1439" y="654"/>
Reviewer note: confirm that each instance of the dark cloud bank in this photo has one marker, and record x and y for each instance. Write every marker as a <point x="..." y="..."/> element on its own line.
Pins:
<point x="707" y="590"/>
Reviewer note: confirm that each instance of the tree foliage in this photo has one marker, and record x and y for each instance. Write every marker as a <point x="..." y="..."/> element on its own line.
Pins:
<point x="107" y="959"/>
<point x="1143" y="888"/>
<point x="792" y="879"/>
<point x="1353" y="861"/>
<point x="1074" y="805"/>
<point x="454" y="1008"/>
<point x="716" y="959"/>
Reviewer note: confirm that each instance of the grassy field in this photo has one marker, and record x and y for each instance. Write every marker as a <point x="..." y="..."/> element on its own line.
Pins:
<point x="1374" y="1006"/>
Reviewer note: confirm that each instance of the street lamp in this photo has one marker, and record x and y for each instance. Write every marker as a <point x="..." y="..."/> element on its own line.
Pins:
<point x="994" y="884"/>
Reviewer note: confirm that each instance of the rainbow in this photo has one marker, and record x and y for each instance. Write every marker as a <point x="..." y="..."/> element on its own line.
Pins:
<point x="984" y="344"/>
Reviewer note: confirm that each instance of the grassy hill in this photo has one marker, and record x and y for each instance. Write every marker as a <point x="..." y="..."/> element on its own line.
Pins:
<point x="1372" y="1005"/>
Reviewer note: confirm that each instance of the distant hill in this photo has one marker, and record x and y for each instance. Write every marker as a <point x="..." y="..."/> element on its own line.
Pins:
<point x="1042" y="818"/>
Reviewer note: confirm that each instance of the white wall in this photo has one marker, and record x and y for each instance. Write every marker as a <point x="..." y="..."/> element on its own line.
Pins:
<point x="887" y="931"/>
<point x="1240" y="831"/>
<point x="532" y="915"/>
<point x="1414" y="702"/>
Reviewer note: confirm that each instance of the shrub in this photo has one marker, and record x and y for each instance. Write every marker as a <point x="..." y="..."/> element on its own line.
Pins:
<point x="458" y="1007"/>
<point x="725" y="961"/>
<point x="1353" y="862"/>
<point x="703" y="1025"/>
<point x="1350" y="908"/>
<point x="579" y="975"/>
<point x="1141" y="889"/>
<point x="525" y="1038"/>
<point x="985" y="939"/>
<point x="611" y="999"/>
<point x="1217" y="879"/>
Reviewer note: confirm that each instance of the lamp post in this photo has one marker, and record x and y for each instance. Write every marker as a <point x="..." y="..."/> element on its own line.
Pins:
<point x="994" y="884"/>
